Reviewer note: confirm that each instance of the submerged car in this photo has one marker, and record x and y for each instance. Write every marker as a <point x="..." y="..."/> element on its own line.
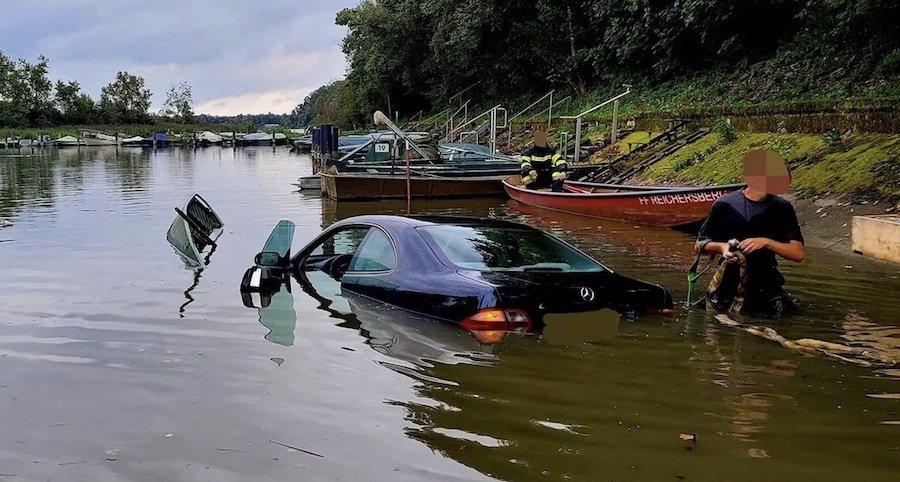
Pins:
<point x="483" y="274"/>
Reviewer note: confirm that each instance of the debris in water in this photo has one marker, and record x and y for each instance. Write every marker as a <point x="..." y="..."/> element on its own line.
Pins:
<point x="758" y="453"/>
<point x="296" y="448"/>
<point x="169" y="435"/>
<point x="278" y="361"/>
<point x="688" y="437"/>
<point x="809" y="346"/>
<point x="112" y="455"/>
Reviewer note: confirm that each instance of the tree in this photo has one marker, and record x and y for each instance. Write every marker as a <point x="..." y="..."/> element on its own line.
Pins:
<point x="125" y="100"/>
<point x="24" y="93"/>
<point x="179" y="103"/>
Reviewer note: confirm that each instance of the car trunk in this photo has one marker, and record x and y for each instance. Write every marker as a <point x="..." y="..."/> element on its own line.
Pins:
<point x="540" y="292"/>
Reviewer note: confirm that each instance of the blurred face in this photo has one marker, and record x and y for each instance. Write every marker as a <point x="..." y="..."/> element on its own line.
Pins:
<point x="540" y="139"/>
<point x="765" y="171"/>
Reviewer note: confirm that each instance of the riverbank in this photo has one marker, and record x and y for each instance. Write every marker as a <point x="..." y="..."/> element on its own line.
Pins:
<point x="130" y="130"/>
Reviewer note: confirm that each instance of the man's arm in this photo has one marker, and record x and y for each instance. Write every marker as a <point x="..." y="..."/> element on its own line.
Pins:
<point x="792" y="250"/>
<point x="793" y="246"/>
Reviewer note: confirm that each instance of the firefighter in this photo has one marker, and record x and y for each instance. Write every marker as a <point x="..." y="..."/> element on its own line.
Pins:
<point x="542" y="166"/>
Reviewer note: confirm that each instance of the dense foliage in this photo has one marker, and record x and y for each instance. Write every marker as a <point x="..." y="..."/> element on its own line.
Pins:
<point x="28" y="98"/>
<point x="410" y="55"/>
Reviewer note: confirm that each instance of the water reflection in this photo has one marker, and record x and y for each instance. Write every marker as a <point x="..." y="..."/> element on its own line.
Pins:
<point x="276" y="312"/>
<point x="374" y="388"/>
<point x="396" y="333"/>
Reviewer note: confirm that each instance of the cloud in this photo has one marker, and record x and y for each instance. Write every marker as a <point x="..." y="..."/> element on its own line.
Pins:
<point x="224" y="49"/>
<point x="277" y="101"/>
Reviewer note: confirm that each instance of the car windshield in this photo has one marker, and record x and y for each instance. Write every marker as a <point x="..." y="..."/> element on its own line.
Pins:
<point x="489" y="248"/>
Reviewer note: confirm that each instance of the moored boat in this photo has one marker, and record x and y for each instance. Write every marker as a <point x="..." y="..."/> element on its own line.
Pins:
<point x="656" y="206"/>
<point x="309" y="183"/>
<point x="137" y="141"/>
<point x="347" y="186"/>
<point x="68" y="141"/>
<point x="207" y="138"/>
<point x="98" y="139"/>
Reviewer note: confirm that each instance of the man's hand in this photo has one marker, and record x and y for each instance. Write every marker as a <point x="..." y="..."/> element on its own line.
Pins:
<point x="750" y="245"/>
<point x="729" y="256"/>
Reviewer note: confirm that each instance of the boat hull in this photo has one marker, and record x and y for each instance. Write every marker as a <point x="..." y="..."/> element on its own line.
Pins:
<point x="97" y="142"/>
<point x="344" y="187"/>
<point x="656" y="207"/>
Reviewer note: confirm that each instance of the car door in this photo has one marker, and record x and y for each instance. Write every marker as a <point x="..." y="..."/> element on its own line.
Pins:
<point x="371" y="269"/>
<point x="324" y="262"/>
<point x="357" y="258"/>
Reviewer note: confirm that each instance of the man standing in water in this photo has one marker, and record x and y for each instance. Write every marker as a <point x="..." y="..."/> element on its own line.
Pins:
<point x="762" y="225"/>
<point x="542" y="166"/>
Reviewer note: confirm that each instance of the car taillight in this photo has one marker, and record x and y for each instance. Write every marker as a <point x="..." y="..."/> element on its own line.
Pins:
<point x="661" y="311"/>
<point x="495" y="319"/>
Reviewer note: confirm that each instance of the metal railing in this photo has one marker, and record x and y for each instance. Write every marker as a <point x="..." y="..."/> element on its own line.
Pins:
<point x="460" y="93"/>
<point x="549" y="111"/>
<point x="615" y="102"/>
<point x="493" y="115"/>
<point x="464" y="108"/>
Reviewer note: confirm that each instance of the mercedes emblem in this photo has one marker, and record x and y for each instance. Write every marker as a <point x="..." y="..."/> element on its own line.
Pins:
<point x="587" y="294"/>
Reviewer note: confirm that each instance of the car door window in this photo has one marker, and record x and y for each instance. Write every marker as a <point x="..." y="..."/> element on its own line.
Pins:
<point x="345" y="241"/>
<point x="376" y="253"/>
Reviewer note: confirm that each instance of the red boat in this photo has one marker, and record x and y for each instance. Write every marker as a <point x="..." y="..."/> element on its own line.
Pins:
<point x="656" y="206"/>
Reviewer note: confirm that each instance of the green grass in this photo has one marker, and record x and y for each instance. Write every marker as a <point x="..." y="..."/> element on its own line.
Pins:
<point x="867" y="165"/>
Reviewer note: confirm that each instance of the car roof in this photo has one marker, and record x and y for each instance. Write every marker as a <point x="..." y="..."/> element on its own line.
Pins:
<point x="417" y="221"/>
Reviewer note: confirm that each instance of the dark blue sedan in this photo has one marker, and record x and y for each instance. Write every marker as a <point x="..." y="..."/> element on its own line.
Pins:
<point x="485" y="275"/>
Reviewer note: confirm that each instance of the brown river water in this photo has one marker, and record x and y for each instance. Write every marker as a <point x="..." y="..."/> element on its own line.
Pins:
<point x="117" y="363"/>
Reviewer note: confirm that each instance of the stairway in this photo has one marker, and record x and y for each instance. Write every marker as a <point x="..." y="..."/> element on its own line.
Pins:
<point x="605" y="174"/>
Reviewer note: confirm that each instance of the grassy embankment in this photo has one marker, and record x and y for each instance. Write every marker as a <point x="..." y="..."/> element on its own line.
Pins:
<point x="833" y="142"/>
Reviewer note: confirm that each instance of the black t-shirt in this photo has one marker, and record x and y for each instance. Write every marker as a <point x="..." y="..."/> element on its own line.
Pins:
<point x="733" y="216"/>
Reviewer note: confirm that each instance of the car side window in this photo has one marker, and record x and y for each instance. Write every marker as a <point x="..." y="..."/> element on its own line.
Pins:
<point x="376" y="253"/>
<point x="342" y="242"/>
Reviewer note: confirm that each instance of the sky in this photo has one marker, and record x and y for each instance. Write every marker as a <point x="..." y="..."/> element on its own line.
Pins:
<point x="238" y="56"/>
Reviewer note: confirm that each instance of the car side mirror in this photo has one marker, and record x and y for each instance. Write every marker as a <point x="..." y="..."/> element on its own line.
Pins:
<point x="267" y="258"/>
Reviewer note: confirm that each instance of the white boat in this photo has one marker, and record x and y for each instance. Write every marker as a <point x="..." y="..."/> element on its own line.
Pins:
<point x="68" y="141"/>
<point x="207" y="138"/>
<point x="98" y="139"/>
<point x="257" y="139"/>
<point x="136" y="141"/>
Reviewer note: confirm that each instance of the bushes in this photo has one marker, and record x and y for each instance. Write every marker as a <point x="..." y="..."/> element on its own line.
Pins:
<point x="727" y="133"/>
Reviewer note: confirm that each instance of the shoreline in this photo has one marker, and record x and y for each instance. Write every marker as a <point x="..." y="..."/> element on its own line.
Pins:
<point x="827" y="221"/>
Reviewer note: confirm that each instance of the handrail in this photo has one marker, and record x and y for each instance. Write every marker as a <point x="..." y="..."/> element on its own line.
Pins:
<point x="578" y="118"/>
<point x="465" y="124"/>
<point x="448" y="126"/>
<point x="539" y="114"/>
<point x="460" y="93"/>
<point x="605" y="103"/>
<point x="533" y="104"/>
